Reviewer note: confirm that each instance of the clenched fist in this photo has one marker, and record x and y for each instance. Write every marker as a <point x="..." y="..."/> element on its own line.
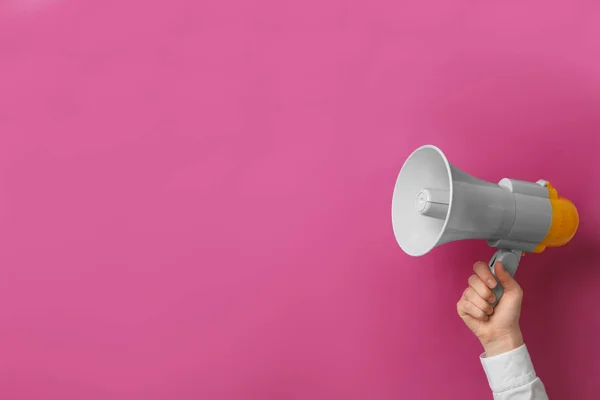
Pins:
<point x="497" y="328"/>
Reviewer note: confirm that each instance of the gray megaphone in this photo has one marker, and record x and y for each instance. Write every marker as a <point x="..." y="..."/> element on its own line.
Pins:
<point x="435" y="203"/>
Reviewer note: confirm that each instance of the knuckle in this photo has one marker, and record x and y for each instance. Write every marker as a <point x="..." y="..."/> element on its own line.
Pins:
<point x="481" y="268"/>
<point x="473" y="279"/>
<point x="477" y="265"/>
<point x="519" y="290"/>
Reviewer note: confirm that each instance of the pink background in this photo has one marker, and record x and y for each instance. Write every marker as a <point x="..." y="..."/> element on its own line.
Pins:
<point x="195" y="195"/>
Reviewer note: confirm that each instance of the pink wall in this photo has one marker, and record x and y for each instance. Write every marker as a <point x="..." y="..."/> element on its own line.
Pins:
<point x="195" y="195"/>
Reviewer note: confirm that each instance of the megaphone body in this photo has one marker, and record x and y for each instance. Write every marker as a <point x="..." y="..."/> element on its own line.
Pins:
<point x="435" y="203"/>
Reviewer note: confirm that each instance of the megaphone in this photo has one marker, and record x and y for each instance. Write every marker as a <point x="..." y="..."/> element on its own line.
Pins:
<point x="435" y="203"/>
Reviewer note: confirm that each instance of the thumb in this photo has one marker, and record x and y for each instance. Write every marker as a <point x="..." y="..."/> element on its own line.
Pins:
<point x="507" y="281"/>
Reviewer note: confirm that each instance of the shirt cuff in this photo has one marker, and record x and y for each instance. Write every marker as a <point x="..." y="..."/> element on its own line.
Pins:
<point x="508" y="370"/>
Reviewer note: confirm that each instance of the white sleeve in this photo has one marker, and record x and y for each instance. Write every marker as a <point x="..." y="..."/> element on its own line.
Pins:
<point x="512" y="377"/>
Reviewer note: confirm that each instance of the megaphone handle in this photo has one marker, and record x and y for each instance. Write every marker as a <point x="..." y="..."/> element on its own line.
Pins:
<point x="510" y="259"/>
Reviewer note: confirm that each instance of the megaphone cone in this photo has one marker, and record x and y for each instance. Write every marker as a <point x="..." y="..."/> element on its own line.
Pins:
<point x="434" y="203"/>
<point x="416" y="233"/>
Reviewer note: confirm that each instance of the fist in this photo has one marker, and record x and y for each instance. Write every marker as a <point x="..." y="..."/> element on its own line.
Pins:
<point x="496" y="327"/>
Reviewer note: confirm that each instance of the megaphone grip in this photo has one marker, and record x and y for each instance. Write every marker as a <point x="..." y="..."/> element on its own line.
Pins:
<point x="510" y="260"/>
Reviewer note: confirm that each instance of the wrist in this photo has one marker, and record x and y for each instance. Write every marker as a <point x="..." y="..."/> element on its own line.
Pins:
<point x="503" y="344"/>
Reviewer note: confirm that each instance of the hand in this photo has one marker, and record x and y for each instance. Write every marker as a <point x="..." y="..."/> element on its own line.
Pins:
<point x="497" y="328"/>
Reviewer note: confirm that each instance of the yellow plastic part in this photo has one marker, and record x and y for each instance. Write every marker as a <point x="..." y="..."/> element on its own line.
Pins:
<point x="565" y="221"/>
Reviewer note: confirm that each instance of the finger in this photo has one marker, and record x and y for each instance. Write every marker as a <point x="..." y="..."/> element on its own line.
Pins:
<point x="480" y="302"/>
<point x="466" y="308"/>
<point x="508" y="282"/>
<point x="481" y="288"/>
<point x="462" y="314"/>
<point x="470" y="321"/>
<point x="483" y="271"/>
